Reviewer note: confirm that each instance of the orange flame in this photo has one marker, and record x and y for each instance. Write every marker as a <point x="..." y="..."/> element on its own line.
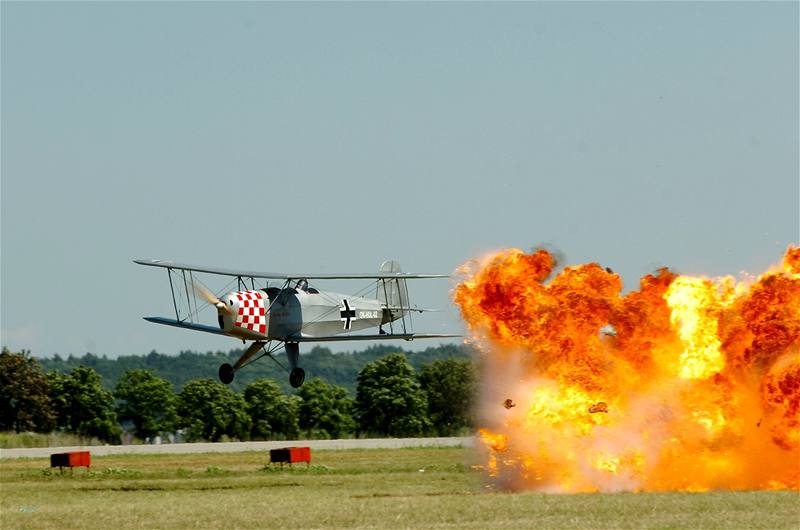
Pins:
<point x="698" y="380"/>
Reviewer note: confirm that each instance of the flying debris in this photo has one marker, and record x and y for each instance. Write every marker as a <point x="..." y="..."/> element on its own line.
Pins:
<point x="600" y="406"/>
<point x="509" y="404"/>
<point x="608" y="331"/>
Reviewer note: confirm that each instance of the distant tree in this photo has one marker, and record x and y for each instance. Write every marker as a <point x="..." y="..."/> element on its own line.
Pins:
<point x="24" y="400"/>
<point x="146" y="401"/>
<point x="325" y="410"/>
<point x="336" y="368"/>
<point x="389" y="400"/>
<point x="209" y="411"/>
<point x="449" y="385"/>
<point x="83" y="406"/>
<point x="273" y="415"/>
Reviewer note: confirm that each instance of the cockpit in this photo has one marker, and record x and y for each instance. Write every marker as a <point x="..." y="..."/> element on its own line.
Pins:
<point x="302" y="285"/>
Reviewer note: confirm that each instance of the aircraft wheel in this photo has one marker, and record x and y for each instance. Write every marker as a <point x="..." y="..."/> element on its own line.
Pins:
<point x="296" y="377"/>
<point x="226" y="373"/>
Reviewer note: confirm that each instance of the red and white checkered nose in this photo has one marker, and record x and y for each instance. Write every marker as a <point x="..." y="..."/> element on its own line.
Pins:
<point x="250" y="311"/>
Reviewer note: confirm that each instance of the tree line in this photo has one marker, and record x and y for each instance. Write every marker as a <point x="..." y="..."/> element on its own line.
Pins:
<point x="337" y="368"/>
<point x="391" y="399"/>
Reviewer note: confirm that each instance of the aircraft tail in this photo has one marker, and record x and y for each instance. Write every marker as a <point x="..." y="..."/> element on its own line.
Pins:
<point x="393" y="293"/>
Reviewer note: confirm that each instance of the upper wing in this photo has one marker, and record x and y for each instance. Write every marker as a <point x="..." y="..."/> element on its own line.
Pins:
<point x="281" y="275"/>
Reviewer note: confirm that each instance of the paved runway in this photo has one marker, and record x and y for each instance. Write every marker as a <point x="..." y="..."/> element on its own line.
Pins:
<point x="233" y="447"/>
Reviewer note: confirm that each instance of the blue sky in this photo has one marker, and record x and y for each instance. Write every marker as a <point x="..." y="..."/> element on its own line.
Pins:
<point x="326" y="137"/>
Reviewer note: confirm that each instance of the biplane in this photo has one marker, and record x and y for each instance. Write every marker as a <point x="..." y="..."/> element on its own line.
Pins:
<point x="292" y="311"/>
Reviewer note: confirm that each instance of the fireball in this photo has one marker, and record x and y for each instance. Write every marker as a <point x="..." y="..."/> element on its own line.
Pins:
<point x="687" y="383"/>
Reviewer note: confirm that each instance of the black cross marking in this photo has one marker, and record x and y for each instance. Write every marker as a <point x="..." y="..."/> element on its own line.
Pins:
<point x="346" y="314"/>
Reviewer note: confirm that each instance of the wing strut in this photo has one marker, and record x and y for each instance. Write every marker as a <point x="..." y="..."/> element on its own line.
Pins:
<point x="172" y="290"/>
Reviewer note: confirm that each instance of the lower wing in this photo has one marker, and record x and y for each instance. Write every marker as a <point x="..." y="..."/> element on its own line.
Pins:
<point x="385" y="336"/>
<point x="185" y="325"/>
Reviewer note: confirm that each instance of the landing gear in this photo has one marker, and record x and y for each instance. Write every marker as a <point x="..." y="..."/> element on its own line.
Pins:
<point x="226" y="373"/>
<point x="296" y="377"/>
<point x="296" y="374"/>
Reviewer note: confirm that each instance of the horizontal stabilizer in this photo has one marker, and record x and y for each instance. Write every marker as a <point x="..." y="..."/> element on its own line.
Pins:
<point x="413" y="309"/>
<point x="186" y="325"/>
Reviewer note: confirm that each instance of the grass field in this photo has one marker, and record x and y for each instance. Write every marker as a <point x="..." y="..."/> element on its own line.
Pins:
<point x="400" y="488"/>
<point x="13" y="440"/>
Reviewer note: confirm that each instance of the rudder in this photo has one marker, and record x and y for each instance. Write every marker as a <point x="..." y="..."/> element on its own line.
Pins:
<point x="392" y="292"/>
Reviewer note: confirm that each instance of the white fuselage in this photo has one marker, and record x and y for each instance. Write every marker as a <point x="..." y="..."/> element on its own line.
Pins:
<point x="281" y="314"/>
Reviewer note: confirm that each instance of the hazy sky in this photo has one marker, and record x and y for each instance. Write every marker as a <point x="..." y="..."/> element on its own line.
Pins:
<point x="326" y="137"/>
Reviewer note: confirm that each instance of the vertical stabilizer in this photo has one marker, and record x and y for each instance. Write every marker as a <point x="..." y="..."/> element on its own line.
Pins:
<point x="393" y="293"/>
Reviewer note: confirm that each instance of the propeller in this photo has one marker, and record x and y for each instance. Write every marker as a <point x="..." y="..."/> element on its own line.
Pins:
<point x="210" y="297"/>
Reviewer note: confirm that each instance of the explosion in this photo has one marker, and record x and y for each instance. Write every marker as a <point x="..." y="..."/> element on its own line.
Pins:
<point x="687" y="384"/>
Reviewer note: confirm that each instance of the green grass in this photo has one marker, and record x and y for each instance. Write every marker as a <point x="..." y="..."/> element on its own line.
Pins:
<point x="403" y="488"/>
<point x="14" y="440"/>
